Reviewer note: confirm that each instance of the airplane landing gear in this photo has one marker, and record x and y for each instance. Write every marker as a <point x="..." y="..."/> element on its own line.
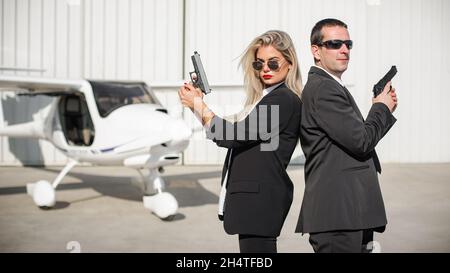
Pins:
<point x="43" y="192"/>
<point x="162" y="204"/>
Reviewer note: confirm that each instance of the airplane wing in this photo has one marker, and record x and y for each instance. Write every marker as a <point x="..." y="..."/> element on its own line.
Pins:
<point x="40" y="86"/>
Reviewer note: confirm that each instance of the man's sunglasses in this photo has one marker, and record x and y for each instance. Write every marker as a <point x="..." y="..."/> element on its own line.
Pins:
<point x="336" y="44"/>
<point x="272" y="64"/>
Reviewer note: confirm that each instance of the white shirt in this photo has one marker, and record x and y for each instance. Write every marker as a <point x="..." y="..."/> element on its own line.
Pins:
<point x="270" y="89"/>
<point x="333" y="76"/>
<point x="223" y="190"/>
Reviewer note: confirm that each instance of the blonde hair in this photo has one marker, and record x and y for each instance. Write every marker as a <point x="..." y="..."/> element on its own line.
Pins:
<point x="281" y="41"/>
<point x="253" y="86"/>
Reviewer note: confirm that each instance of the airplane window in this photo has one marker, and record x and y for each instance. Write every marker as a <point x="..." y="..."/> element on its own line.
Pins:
<point x="73" y="105"/>
<point x="76" y="121"/>
<point x="110" y="96"/>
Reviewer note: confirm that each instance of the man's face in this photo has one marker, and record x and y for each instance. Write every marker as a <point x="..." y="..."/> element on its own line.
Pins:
<point x="334" y="61"/>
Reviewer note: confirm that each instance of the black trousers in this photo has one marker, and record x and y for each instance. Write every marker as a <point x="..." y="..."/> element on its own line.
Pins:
<point x="257" y="244"/>
<point x="341" y="241"/>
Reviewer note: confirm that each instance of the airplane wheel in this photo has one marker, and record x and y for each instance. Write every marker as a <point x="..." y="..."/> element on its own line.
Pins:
<point x="163" y="205"/>
<point x="44" y="194"/>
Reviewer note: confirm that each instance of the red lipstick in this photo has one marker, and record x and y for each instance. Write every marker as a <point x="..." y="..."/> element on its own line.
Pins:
<point x="267" y="77"/>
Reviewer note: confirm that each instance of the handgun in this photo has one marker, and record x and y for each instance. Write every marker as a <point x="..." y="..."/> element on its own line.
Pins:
<point x="378" y="88"/>
<point x="198" y="77"/>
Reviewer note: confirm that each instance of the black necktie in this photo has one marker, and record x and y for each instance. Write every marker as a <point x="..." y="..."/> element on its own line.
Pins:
<point x="225" y="166"/>
<point x="376" y="161"/>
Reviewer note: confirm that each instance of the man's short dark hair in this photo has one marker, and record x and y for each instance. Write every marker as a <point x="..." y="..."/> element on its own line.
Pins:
<point x="316" y="33"/>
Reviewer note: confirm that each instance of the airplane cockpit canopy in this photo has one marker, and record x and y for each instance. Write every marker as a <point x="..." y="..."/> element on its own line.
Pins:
<point x="110" y="96"/>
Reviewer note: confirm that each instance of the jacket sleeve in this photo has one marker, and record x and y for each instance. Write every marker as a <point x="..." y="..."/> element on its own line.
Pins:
<point x="335" y="115"/>
<point x="269" y="117"/>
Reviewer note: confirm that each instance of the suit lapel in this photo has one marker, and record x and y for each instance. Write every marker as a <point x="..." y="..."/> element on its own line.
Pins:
<point x="376" y="161"/>
<point x="320" y="72"/>
<point x="227" y="157"/>
<point x="315" y="70"/>
<point x="353" y="103"/>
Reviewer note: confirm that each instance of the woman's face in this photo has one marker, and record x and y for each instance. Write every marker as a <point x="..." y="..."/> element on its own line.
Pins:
<point x="269" y="56"/>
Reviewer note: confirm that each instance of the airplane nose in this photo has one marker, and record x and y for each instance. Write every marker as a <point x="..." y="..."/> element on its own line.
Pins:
<point x="180" y="131"/>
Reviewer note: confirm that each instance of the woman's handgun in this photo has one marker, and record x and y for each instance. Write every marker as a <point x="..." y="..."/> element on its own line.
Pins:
<point x="198" y="77"/>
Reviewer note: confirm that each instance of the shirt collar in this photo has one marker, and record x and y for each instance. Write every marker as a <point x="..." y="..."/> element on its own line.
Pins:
<point x="269" y="89"/>
<point x="333" y="76"/>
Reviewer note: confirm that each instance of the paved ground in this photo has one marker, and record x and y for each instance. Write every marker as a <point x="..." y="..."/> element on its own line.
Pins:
<point x="101" y="209"/>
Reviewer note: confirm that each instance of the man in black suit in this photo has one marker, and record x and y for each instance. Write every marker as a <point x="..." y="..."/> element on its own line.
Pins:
<point x="342" y="203"/>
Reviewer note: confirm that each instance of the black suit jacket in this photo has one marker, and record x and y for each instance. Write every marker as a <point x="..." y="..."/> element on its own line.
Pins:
<point x="259" y="190"/>
<point x="342" y="190"/>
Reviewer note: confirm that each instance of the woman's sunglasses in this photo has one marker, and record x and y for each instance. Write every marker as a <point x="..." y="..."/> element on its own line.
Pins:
<point x="272" y="64"/>
<point x="336" y="44"/>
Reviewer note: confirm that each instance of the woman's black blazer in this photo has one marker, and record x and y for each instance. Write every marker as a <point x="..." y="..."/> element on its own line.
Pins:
<point x="259" y="190"/>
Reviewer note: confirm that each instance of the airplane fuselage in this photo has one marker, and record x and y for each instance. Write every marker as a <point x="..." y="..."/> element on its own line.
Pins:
<point x="106" y="123"/>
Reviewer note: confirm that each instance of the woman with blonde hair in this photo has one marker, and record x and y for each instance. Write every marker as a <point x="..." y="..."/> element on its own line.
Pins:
<point x="256" y="190"/>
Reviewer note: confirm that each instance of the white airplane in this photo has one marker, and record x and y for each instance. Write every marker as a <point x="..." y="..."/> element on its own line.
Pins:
<point x="103" y="123"/>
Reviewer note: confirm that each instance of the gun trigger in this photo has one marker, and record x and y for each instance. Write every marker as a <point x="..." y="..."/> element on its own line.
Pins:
<point x="192" y="78"/>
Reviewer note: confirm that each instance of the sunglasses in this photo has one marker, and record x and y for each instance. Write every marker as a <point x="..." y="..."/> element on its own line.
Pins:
<point x="272" y="64"/>
<point x="336" y="44"/>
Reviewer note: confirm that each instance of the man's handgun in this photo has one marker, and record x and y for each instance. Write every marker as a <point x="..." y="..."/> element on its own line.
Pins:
<point x="378" y="88"/>
<point x="198" y="76"/>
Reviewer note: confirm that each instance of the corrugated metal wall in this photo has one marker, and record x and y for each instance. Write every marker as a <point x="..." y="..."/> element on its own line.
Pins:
<point x="152" y="40"/>
<point x="95" y="39"/>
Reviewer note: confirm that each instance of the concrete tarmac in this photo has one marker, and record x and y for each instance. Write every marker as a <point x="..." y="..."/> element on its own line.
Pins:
<point x="101" y="210"/>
